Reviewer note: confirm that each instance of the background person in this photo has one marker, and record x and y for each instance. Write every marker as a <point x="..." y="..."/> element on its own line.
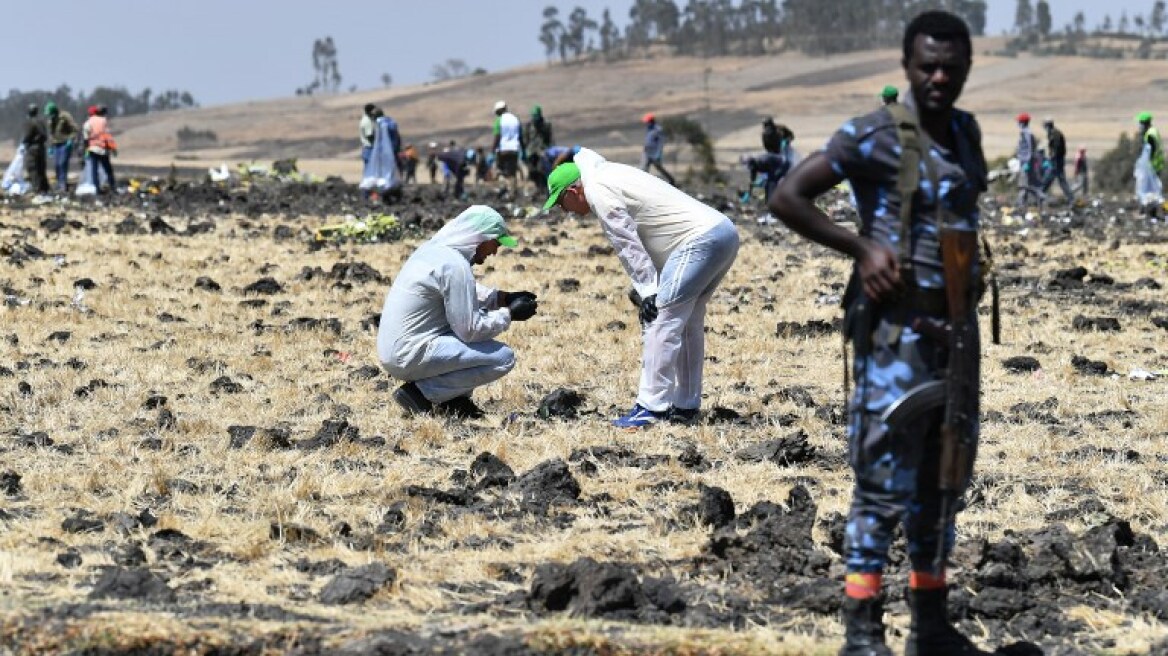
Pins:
<point x="367" y="131"/>
<point x="1082" y="172"/>
<point x="1056" y="149"/>
<point x="34" y="139"/>
<point x="1149" y="166"/>
<point x="62" y="133"/>
<point x="508" y="145"/>
<point x="1029" y="182"/>
<point x="537" y="138"/>
<point x="653" y="153"/>
<point x="381" y="176"/>
<point x="99" y="147"/>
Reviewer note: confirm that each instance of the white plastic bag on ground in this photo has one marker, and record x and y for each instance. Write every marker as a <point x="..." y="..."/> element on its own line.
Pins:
<point x="14" y="182"/>
<point x="1149" y="189"/>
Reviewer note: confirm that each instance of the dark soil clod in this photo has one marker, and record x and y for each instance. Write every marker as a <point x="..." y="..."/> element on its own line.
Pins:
<point x="131" y="583"/>
<point x="1099" y="324"/>
<point x="1020" y="364"/>
<point x="357" y="584"/>
<point x="562" y="403"/>
<point x="266" y="286"/>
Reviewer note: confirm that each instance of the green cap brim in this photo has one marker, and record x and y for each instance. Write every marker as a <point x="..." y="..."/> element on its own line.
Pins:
<point x="553" y="199"/>
<point x="508" y="241"/>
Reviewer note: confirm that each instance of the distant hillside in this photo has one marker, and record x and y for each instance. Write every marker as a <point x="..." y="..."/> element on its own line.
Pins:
<point x="599" y="105"/>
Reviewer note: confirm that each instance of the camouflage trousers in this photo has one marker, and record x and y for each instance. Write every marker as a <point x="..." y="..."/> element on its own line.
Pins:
<point x="896" y="471"/>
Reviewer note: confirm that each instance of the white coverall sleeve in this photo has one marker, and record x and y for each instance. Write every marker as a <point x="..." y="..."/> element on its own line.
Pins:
<point x="488" y="297"/>
<point x="467" y="318"/>
<point x="621" y="231"/>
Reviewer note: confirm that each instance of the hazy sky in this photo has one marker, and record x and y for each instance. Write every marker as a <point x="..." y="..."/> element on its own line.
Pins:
<point x="231" y="50"/>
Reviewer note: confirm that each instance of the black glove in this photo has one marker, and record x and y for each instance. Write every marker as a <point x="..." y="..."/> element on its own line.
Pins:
<point x="522" y="307"/>
<point x="648" y="309"/>
<point x="511" y="296"/>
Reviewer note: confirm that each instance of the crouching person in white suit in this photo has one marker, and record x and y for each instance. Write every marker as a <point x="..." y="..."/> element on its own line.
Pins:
<point x="438" y="326"/>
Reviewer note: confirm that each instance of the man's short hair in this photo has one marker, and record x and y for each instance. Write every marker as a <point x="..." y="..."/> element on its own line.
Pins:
<point x="940" y="25"/>
<point x="369" y="107"/>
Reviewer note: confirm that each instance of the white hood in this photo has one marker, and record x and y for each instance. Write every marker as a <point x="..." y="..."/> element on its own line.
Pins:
<point x="477" y="224"/>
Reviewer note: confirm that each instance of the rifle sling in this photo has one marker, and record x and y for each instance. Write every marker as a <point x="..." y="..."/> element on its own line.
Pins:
<point x="914" y="149"/>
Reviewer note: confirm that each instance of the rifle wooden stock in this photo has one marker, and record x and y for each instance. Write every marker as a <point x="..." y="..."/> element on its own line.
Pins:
<point x="958" y="250"/>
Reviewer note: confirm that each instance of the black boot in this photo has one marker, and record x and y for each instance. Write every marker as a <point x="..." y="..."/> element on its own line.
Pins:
<point x="411" y="399"/>
<point x="931" y="633"/>
<point x="864" y="627"/>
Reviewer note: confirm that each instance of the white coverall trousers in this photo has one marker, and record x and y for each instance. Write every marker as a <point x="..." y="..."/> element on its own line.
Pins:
<point x="675" y="343"/>
<point x="452" y="368"/>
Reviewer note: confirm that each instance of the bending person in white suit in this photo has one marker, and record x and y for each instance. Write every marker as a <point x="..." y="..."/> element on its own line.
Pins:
<point x="676" y="249"/>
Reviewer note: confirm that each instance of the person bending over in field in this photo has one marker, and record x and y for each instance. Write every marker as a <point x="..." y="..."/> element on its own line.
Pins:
<point x="676" y="249"/>
<point x="438" y="326"/>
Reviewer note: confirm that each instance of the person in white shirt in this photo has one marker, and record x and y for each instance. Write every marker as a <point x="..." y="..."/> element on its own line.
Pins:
<point x="508" y="145"/>
<point x="367" y="130"/>
<point x="676" y="249"/>
<point x="438" y="326"/>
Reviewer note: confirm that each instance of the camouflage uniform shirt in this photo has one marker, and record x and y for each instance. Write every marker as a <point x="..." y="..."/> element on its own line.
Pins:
<point x="866" y="151"/>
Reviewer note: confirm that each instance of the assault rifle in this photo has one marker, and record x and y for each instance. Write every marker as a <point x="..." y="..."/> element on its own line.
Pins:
<point x="957" y="392"/>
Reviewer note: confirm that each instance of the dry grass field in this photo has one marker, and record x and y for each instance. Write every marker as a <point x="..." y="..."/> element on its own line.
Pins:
<point x="193" y="463"/>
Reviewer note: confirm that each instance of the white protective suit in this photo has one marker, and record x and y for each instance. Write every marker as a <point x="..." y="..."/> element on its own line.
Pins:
<point x="671" y="245"/>
<point x="438" y="325"/>
<point x="380" y="172"/>
<point x="1149" y="189"/>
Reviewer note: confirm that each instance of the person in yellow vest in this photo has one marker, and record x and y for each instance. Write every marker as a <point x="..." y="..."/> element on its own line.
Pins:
<point x="1149" y="167"/>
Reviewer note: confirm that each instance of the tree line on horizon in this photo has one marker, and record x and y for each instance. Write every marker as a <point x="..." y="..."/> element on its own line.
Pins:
<point x="1035" y="31"/>
<point x="713" y="28"/>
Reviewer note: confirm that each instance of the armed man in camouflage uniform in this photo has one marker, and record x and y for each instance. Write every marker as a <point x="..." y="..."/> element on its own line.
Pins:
<point x="899" y="270"/>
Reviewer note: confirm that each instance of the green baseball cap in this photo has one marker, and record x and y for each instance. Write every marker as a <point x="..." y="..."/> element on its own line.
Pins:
<point x="1144" y="117"/>
<point x="564" y="176"/>
<point x="889" y="91"/>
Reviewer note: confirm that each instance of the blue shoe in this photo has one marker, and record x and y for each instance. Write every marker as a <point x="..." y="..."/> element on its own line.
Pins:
<point x="639" y="417"/>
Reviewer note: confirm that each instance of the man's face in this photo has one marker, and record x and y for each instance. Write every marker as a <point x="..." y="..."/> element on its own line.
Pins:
<point x="572" y="199"/>
<point x="485" y="250"/>
<point x="937" y="72"/>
